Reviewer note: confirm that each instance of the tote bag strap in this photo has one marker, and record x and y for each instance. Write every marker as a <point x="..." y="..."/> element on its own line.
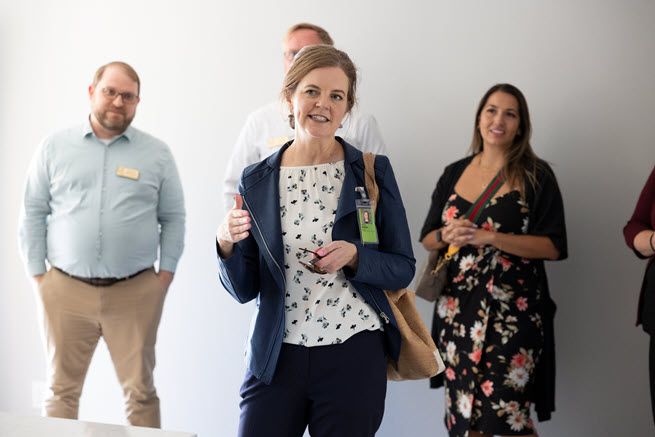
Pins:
<point x="369" y="179"/>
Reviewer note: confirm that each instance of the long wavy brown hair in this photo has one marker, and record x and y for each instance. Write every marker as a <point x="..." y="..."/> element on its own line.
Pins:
<point x="521" y="163"/>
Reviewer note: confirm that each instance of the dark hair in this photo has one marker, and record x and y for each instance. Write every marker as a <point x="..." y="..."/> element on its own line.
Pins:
<point x="122" y="65"/>
<point x="521" y="162"/>
<point x="319" y="56"/>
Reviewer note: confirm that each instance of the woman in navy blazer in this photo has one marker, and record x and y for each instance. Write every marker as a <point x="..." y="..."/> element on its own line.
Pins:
<point x="321" y="335"/>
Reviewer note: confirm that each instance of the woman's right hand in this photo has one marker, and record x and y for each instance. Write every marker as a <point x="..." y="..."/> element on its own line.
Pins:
<point x="234" y="228"/>
<point x="458" y="232"/>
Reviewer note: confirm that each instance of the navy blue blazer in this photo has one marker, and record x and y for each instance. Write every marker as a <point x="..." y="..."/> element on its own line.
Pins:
<point x="256" y="268"/>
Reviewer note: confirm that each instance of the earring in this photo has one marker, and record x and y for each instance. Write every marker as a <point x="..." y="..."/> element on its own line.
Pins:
<point x="292" y="121"/>
<point x="345" y="119"/>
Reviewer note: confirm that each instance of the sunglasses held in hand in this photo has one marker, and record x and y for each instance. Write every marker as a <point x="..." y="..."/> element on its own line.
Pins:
<point x="311" y="264"/>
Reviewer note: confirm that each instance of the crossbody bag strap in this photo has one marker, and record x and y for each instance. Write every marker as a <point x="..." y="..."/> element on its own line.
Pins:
<point x="473" y="214"/>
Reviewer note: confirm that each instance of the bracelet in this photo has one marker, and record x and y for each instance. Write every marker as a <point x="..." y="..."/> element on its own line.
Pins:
<point x="650" y="240"/>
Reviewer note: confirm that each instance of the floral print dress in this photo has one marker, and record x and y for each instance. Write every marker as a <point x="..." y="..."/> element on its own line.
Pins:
<point x="489" y="327"/>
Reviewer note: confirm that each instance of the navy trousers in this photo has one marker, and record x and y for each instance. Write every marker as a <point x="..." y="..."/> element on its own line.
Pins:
<point x="336" y="390"/>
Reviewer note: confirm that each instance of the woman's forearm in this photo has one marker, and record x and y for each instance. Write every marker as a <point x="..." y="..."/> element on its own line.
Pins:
<point x="430" y="242"/>
<point x="526" y="246"/>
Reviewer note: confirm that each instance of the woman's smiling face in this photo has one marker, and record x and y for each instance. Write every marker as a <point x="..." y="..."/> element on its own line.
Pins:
<point x="499" y="120"/>
<point x="320" y="102"/>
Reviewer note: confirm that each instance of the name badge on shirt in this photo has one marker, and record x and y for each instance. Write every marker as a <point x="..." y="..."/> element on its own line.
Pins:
<point x="129" y="173"/>
<point x="368" y="232"/>
<point x="277" y="142"/>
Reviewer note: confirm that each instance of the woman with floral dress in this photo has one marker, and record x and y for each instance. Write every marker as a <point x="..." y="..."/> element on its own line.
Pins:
<point x="323" y="329"/>
<point x="493" y="321"/>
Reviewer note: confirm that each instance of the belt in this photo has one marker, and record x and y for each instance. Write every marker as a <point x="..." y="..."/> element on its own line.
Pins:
<point x="100" y="282"/>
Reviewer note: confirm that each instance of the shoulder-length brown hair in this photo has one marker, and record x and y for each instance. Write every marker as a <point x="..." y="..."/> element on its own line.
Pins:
<point x="521" y="162"/>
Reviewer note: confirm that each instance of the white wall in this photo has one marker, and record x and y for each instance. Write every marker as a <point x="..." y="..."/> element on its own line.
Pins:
<point x="585" y="66"/>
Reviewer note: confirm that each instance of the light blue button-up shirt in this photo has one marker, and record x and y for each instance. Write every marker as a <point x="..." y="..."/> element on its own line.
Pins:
<point x="96" y="210"/>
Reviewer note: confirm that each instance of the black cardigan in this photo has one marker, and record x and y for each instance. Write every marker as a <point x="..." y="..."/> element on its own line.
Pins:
<point x="546" y="218"/>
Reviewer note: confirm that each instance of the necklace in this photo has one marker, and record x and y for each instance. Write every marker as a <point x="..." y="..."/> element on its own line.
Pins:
<point x="334" y="152"/>
<point x="485" y="171"/>
<point x="488" y="168"/>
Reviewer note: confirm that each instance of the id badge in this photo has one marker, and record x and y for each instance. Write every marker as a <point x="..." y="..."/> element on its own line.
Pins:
<point x="368" y="232"/>
<point x="129" y="173"/>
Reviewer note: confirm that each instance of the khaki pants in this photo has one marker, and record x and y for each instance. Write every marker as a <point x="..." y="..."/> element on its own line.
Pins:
<point x="75" y="315"/>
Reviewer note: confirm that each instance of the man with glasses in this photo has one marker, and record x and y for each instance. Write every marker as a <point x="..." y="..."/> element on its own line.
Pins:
<point x="267" y="128"/>
<point x="100" y="200"/>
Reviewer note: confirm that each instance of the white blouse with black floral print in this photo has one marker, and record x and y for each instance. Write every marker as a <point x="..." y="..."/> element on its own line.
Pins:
<point x="320" y="309"/>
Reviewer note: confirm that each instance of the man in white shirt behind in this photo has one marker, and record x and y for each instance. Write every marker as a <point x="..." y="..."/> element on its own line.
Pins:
<point x="267" y="128"/>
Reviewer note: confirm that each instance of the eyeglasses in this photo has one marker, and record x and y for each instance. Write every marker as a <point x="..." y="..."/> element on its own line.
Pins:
<point x="311" y="264"/>
<point x="111" y="94"/>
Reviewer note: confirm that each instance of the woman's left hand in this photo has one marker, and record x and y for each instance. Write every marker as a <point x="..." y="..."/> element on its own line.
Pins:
<point x="337" y="255"/>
